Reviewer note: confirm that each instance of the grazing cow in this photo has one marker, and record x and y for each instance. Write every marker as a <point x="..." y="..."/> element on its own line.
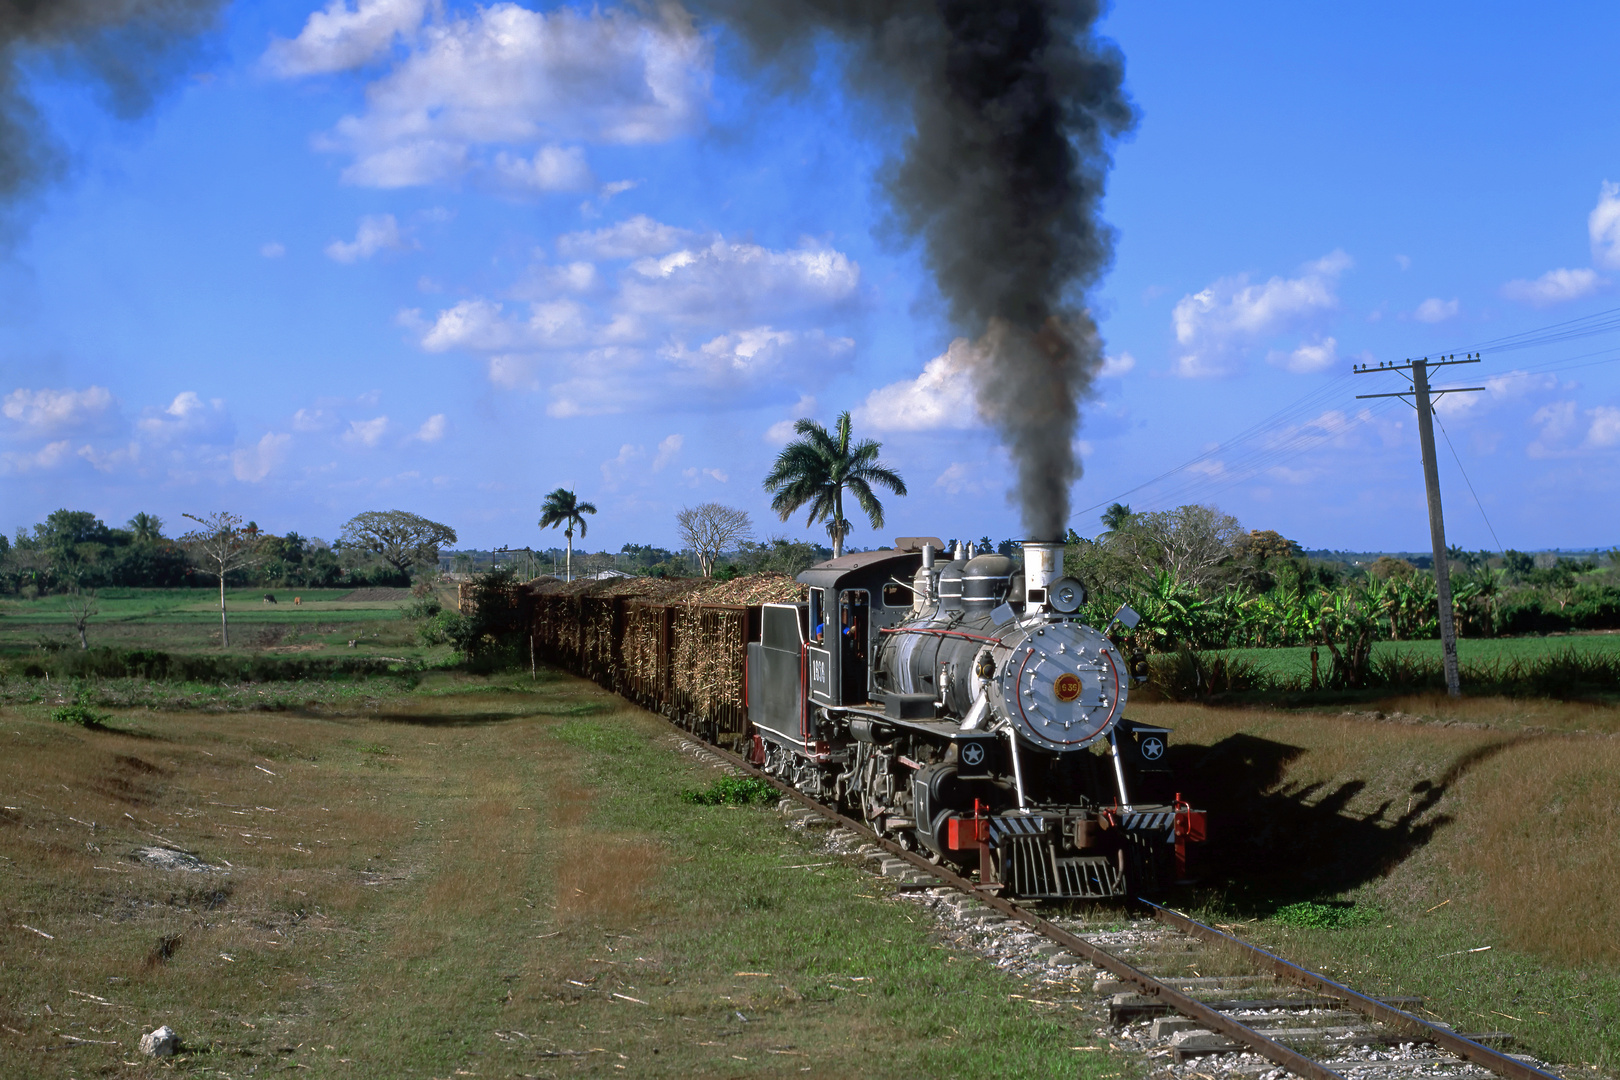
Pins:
<point x="298" y="599"/>
<point x="269" y="598"/>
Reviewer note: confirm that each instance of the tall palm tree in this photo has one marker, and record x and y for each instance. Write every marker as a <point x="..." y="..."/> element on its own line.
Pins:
<point x="814" y="470"/>
<point x="148" y="528"/>
<point x="562" y="507"/>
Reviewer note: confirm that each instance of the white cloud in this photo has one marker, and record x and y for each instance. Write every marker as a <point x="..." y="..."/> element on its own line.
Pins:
<point x="341" y="37"/>
<point x="46" y="457"/>
<point x="513" y="372"/>
<point x="940" y="397"/>
<point x="694" y="475"/>
<point x="667" y="449"/>
<point x="553" y="168"/>
<point x="189" y="419"/>
<point x="1436" y="310"/>
<point x="45" y="411"/>
<point x="738" y="282"/>
<point x="1214" y="325"/>
<point x="273" y="249"/>
<point x="1115" y="366"/>
<point x="781" y="432"/>
<point x="1554" y="287"/>
<point x="506" y="77"/>
<point x="252" y="464"/>
<point x="1605" y="429"/>
<point x="313" y="419"/>
<point x="1308" y="357"/>
<point x="1603" y="226"/>
<point x="1403" y="261"/>
<point x="482" y="325"/>
<point x="633" y="238"/>
<point x="376" y="232"/>
<point x="366" y="432"/>
<point x="432" y="429"/>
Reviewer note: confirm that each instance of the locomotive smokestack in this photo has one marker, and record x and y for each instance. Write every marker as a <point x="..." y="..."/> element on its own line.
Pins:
<point x="1043" y="564"/>
<point x="1013" y="109"/>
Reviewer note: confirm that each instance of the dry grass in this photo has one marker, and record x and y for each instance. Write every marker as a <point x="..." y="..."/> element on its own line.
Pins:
<point x="1475" y="802"/>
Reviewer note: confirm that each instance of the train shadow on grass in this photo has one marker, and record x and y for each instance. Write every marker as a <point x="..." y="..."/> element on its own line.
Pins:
<point x="480" y="718"/>
<point x="1273" y="843"/>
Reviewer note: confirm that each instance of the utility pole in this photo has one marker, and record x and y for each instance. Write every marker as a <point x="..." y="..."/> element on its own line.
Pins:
<point x="1418" y="372"/>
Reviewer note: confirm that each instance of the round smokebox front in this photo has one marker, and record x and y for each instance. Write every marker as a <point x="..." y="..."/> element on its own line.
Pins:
<point x="1063" y="686"/>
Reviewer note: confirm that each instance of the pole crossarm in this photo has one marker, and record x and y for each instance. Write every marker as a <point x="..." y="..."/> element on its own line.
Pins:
<point x="1432" y="393"/>
<point x="1406" y="365"/>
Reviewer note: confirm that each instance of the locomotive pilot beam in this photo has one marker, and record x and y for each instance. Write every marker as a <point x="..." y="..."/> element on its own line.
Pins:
<point x="958" y="703"/>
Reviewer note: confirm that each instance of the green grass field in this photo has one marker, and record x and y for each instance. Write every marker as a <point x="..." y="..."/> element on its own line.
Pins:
<point x="1296" y="661"/>
<point x="187" y="620"/>
<point x="482" y="879"/>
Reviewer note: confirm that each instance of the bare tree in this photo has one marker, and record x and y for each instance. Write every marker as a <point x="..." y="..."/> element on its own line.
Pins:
<point x="81" y="604"/>
<point x="222" y="545"/>
<point x="403" y="539"/>
<point x="1187" y="542"/>
<point x="710" y="528"/>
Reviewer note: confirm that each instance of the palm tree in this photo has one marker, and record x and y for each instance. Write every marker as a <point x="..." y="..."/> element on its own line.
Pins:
<point x="562" y="507"/>
<point x="815" y="469"/>
<point x="1116" y="517"/>
<point x="148" y="528"/>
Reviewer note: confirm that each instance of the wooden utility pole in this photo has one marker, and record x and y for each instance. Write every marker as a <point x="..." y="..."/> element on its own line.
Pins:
<point x="1418" y="372"/>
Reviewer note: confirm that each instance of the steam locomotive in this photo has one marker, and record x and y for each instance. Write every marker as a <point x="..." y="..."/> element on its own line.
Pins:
<point x="957" y="703"/>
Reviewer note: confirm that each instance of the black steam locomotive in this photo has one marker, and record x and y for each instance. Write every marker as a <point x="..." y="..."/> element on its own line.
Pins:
<point x="958" y="704"/>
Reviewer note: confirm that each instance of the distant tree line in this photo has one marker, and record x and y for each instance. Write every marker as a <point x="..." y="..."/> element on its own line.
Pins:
<point x="75" y="550"/>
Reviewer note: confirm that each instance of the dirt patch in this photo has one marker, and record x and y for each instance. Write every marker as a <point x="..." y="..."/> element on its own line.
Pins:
<point x="603" y="879"/>
<point x="376" y="595"/>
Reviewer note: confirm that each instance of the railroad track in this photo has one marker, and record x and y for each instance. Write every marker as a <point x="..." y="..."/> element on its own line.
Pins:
<point x="1254" y="1014"/>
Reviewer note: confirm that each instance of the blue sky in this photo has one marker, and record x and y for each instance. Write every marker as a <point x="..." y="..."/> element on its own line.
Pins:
<point x="447" y="259"/>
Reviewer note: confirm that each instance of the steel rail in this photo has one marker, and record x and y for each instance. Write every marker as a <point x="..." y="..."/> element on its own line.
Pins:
<point x="1468" y="1049"/>
<point x="1268" y="1048"/>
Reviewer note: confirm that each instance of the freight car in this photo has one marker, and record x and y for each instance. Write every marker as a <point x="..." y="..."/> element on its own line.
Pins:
<point x="954" y="700"/>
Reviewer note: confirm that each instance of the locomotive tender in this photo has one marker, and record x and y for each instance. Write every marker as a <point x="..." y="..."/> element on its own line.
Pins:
<point x="958" y="704"/>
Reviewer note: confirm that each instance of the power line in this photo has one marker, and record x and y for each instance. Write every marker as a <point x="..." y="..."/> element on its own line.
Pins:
<point x="1467" y="481"/>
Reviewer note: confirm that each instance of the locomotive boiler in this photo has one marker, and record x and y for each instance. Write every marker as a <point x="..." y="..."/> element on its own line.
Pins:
<point x="958" y="703"/>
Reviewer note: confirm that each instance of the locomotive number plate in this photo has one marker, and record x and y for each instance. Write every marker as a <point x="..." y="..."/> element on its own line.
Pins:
<point x="1067" y="687"/>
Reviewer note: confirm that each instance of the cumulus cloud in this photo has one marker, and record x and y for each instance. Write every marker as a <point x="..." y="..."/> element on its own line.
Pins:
<point x="552" y="168"/>
<point x="48" y="456"/>
<point x="781" y="432"/>
<point x="189" y="419"/>
<point x="633" y="238"/>
<point x="273" y="249"/>
<point x="366" y="432"/>
<point x="667" y="449"/>
<point x="1436" y="310"/>
<point x="41" y="412"/>
<point x="1308" y="357"/>
<point x="1115" y="366"/>
<point x="1214" y="325"/>
<point x="1554" y="287"/>
<point x="738" y="281"/>
<point x="341" y="37"/>
<point x="432" y="429"/>
<point x="253" y="463"/>
<point x="940" y="397"/>
<point x="483" y="325"/>
<point x="513" y="372"/>
<point x="1568" y="431"/>
<point x="376" y="232"/>
<point x="501" y="78"/>
<point x="1603" y="226"/>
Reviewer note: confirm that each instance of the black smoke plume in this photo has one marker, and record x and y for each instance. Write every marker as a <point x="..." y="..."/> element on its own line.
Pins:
<point x="128" y="49"/>
<point x="1014" y="107"/>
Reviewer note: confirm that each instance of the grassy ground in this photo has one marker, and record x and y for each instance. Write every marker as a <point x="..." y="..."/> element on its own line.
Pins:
<point x="466" y="879"/>
<point x="1485" y="824"/>
<point x="187" y="620"/>
<point x="1296" y="661"/>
